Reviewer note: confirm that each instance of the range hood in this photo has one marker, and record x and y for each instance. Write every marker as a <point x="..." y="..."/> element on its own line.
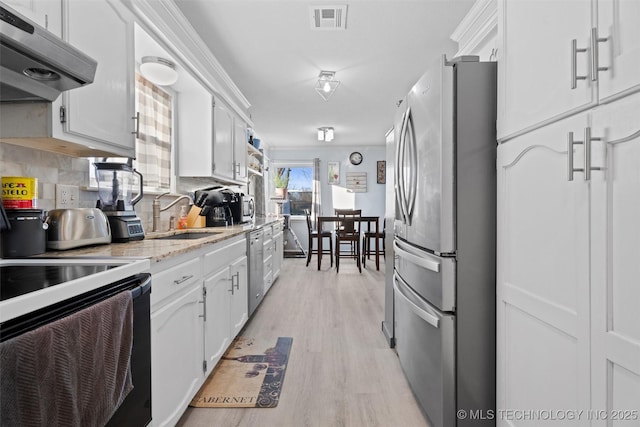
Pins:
<point x="36" y="65"/>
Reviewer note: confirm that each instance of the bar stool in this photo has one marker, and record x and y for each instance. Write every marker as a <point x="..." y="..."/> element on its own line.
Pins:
<point x="316" y="235"/>
<point x="367" y="249"/>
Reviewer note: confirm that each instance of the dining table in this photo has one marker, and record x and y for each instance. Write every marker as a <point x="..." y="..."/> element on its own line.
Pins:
<point x="371" y="221"/>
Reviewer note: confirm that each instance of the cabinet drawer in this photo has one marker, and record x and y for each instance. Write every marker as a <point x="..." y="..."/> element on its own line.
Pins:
<point x="277" y="227"/>
<point x="268" y="232"/>
<point x="223" y="254"/>
<point x="174" y="279"/>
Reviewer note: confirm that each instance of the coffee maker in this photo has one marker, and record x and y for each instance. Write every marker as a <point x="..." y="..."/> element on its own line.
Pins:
<point x="216" y="205"/>
<point x="116" y="199"/>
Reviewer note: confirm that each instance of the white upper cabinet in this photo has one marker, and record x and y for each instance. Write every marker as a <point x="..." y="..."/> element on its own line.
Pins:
<point x="101" y="113"/>
<point x="560" y="58"/>
<point x="535" y="62"/>
<point x="195" y="141"/>
<point x="619" y="23"/>
<point x="223" y="141"/>
<point x="211" y="138"/>
<point x="46" y="13"/>
<point x="240" y="149"/>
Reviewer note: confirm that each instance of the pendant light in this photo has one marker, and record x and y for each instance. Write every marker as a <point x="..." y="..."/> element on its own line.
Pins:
<point x="326" y="84"/>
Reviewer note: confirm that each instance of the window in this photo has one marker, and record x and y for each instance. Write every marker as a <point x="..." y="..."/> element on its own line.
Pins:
<point x="153" y="145"/>
<point x="299" y="188"/>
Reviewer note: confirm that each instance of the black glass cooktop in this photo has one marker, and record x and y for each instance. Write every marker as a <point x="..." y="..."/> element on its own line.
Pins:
<point x="16" y="280"/>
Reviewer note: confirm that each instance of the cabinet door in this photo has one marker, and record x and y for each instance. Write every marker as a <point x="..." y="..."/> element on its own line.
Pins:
<point x="240" y="296"/>
<point x="217" y="336"/>
<point x="535" y="62"/>
<point x="223" y="140"/>
<point x="240" y="149"/>
<point x="615" y="236"/>
<point x="278" y="254"/>
<point x="46" y="13"/>
<point x="103" y="111"/>
<point x="195" y="127"/>
<point x="176" y="356"/>
<point x="619" y="22"/>
<point x="543" y="273"/>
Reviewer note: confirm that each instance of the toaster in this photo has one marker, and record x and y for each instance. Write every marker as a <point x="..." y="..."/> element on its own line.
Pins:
<point x="73" y="228"/>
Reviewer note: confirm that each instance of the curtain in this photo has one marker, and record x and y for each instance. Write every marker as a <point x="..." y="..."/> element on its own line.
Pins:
<point x="153" y="145"/>
<point x="315" y="192"/>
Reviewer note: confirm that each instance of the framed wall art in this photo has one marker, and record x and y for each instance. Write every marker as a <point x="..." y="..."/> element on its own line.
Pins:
<point x="381" y="172"/>
<point x="333" y="171"/>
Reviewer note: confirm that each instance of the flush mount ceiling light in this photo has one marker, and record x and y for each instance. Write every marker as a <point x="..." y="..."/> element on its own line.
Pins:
<point x="159" y="70"/>
<point x="325" y="134"/>
<point x="326" y="84"/>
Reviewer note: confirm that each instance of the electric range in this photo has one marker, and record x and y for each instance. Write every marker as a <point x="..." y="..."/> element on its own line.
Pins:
<point x="30" y="284"/>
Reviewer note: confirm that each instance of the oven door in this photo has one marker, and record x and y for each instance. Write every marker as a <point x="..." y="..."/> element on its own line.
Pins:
<point x="425" y="343"/>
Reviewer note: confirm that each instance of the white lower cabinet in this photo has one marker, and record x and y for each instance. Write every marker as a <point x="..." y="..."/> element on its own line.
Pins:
<point x="217" y="336"/>
<point x="568" y="335"/>
<point x="615" y="235"/>
<point x="543" y="273"/>
<point x="226" y="297"/>
<point x="199" y="303"/>
<point x="278" y="249"/>
<point x="239" y="313"/>
<point x="176" y="355"/>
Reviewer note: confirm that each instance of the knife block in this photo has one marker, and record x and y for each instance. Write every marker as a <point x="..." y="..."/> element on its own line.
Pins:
<point x="194" y="220"/>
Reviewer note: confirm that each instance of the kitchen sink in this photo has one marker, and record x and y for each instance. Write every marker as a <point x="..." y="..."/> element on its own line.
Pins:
<point x="188" y="236"/>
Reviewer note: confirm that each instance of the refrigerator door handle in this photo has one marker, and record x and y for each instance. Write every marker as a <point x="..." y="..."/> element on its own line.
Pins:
<point x="413" y="167"/>
<point x="422" y="312"/>
<point x="415" y="259"/>
<point x="400" y="156"/>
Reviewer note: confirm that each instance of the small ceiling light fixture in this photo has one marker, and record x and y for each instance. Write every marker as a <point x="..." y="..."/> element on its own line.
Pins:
<point x="326" y="84"/>
<point x="325" y="134"/>
<point x="159" y="70"/>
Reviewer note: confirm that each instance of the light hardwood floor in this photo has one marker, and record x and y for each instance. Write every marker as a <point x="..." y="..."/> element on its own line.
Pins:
<point x="341" y="371"/>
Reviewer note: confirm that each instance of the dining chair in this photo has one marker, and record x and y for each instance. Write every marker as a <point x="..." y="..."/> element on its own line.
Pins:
<point x="316" y="235"/>
<point x="348" y="232"/>
<point x="372" y="235"/>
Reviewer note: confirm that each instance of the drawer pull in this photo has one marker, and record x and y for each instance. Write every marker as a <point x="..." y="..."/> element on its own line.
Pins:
<point x="182" y="279"/>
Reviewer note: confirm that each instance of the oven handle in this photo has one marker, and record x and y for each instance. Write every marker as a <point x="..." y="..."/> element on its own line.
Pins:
<point x="143" y="288"/>
<point x="421" y="312"/>
<point x="415" y="259"/>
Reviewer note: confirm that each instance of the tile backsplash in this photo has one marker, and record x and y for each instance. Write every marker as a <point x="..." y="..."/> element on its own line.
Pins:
<point x="52" y="168"/>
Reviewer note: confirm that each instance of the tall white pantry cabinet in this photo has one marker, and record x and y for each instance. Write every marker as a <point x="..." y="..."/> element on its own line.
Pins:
<point x="568" y="170"/>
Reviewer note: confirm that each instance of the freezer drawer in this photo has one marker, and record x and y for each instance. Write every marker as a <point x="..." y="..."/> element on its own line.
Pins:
<point x="433" y="278"/>
<point x="425" y="343"/>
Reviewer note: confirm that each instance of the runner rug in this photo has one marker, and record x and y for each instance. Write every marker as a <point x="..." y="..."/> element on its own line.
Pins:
<point x="249" y="375"/>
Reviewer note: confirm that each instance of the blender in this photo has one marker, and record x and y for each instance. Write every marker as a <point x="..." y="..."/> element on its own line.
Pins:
<point x="116" y="191"/>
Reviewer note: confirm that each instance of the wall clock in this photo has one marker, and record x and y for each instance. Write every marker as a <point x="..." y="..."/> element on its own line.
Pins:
<point x="355" y="158"/>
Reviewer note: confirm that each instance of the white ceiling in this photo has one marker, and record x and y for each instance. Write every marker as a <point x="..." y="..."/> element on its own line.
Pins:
<point x="273" y="55"/>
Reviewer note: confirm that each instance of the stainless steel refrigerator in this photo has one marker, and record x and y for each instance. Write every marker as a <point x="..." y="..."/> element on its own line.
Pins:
<point x="444" y="246"/>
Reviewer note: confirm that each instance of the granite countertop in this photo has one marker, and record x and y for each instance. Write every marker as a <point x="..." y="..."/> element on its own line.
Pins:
<point x="155" y="248"/>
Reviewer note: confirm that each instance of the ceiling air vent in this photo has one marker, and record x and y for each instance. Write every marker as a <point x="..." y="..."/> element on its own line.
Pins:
<point x="329" y="17"/>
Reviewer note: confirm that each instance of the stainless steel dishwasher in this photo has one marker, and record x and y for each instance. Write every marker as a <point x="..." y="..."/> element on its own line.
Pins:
<point x="256" y="269"/>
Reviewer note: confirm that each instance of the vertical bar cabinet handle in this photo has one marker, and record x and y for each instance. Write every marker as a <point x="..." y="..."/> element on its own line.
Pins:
<point x="570" y="166"/>
<point x="595" y="68"/>
<point x="574" y="63"/>
<point x="587" y="154"/>
<point x="137" y="119"/>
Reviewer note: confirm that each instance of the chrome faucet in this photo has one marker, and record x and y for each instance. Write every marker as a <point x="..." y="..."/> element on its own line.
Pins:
<point x="157" y="209"/>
